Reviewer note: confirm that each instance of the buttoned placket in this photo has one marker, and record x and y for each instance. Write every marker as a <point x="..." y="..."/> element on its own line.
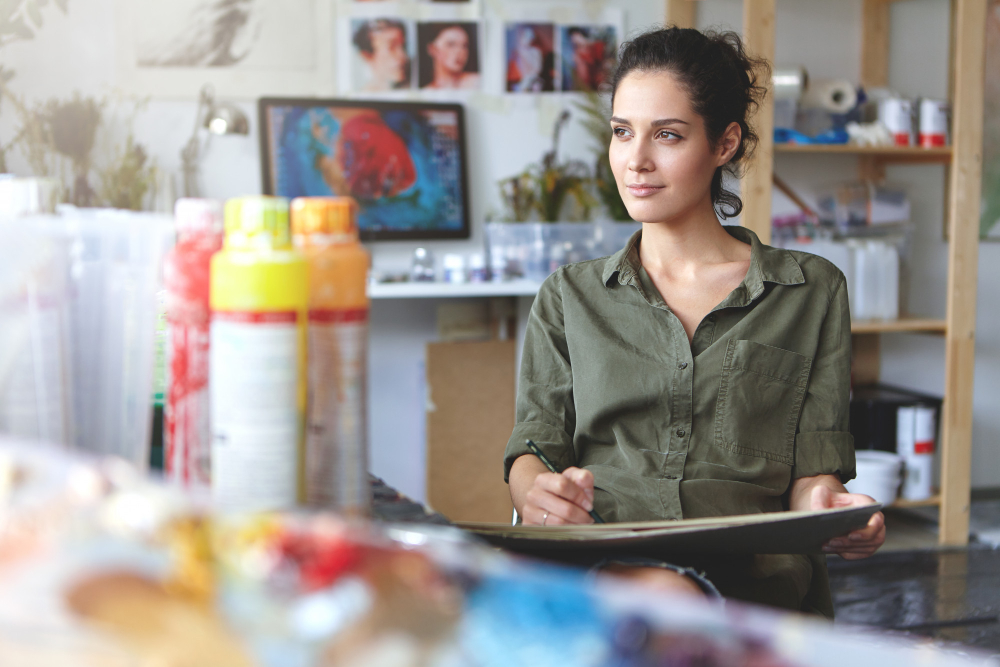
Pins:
<point x="681" y="395"/>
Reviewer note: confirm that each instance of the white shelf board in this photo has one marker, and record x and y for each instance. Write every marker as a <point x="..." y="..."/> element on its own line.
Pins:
<point x="440" y="290"/>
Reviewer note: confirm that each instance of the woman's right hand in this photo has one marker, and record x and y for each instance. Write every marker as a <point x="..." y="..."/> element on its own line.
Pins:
<point x="559" y="499"/>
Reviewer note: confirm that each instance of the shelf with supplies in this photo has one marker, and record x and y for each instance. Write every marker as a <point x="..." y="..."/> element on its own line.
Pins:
<point x="443" y="290"/>
<point x="967" y="66"/>
<point x="902" y="325"/>
<point x="897" y="154"/>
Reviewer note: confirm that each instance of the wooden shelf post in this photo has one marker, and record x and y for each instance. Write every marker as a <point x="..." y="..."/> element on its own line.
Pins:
<point x="963" y="251"/>
<point x="758" y="37"/>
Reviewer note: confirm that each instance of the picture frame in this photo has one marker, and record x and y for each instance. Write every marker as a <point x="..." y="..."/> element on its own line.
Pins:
<point x="405" y="162"/>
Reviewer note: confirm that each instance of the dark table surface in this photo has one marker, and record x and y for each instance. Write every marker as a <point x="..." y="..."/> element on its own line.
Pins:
<point x="948" y="596"/>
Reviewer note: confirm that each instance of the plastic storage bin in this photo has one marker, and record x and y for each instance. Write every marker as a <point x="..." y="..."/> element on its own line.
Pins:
<point x="533" y="250"/>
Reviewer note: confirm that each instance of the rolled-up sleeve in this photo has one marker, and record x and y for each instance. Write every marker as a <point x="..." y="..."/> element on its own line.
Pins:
<point x="545" y="411"/>
<point x="823" y="443"/>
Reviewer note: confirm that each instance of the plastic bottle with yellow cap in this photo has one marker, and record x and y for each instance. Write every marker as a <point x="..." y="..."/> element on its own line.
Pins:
<point x="325" y="231"/>
<point x="259" y="302"/>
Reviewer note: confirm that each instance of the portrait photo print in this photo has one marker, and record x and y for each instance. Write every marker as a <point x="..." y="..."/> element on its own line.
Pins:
<point x="530" y="51"/>
<point x="448" y="55"/>
<point x="587" y="54"/>
<point x="381" y="54"/>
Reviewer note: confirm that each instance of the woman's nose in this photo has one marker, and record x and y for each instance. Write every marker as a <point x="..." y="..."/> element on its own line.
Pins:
<point x="640" y="160"/>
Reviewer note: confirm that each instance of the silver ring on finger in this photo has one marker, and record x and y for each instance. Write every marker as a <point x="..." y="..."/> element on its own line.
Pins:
<point x="545" y="517"/>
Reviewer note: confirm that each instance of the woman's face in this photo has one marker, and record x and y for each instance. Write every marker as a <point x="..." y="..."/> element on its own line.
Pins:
<point x="660" y="154"/>
<point x="450" y="49"/>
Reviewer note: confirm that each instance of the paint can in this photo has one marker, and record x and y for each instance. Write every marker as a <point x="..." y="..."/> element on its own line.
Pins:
<point x="896" y="114"/>
<point x="933" y="123"/>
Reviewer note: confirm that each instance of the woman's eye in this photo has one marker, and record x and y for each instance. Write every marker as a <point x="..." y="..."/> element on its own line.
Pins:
<point x="666" y="134"/>
<point x="620" y="132"/>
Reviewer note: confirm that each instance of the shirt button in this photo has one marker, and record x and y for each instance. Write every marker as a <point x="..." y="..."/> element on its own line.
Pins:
<point x="682" y="365"/>
<point x="680" y="432"/>
<point x="711" y="318"/>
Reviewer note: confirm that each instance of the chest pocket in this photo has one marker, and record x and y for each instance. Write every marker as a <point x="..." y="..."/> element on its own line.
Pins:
<point x="760" y="398"/>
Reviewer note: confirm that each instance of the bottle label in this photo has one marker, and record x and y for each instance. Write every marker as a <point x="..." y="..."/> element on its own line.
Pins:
<point x="337" y="435"/>
<point x="254" y="363"/>
<point x="188" y="436"/>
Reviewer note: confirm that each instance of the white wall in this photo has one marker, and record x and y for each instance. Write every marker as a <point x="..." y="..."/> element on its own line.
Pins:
<point x="77" y="52"/>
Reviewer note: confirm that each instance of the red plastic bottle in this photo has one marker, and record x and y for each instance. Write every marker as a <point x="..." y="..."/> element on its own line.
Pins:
<point x="187" y="440"/>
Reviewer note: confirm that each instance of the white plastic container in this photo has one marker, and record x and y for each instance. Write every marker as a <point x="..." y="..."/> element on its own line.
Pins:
<point x="116" y="270"/>
<point x="916" y="436"/>
<point x="35" y="385"/>
<point x="879" y="475"/>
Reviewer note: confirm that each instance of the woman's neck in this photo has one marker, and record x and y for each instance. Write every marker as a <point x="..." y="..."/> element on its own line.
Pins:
<point x="685" y="243"/>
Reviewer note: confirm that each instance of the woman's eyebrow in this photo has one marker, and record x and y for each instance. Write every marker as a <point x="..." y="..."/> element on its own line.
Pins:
<point x="655" y="123"/>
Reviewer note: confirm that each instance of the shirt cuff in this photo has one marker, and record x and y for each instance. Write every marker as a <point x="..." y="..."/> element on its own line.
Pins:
<point x="554" y="442"/>
<point x="824" y="453"/>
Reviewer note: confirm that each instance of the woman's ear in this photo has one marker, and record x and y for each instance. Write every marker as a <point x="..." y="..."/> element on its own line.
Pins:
<point x="729" y="143"/>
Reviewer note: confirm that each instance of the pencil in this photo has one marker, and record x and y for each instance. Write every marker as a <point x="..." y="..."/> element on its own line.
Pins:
<point x="552" y="468"/>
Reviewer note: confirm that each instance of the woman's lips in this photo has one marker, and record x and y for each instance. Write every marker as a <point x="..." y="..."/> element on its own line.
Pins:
<point x="643" y="190"/>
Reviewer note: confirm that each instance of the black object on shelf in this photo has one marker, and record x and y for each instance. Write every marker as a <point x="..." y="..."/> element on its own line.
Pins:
<point x="874" y="409"/>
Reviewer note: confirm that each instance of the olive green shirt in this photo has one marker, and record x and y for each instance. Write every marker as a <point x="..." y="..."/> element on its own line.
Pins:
<point x="672" y="429"/>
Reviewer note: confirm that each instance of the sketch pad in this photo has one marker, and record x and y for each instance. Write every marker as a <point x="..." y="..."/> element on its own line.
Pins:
<point x="770" y="533"/>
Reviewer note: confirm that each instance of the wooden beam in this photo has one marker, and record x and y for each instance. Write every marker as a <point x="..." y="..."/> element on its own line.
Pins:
<point x="682" y="13"/>
<point x="874" y="43"/>
<point x="963" y="250"/>
<point x="758" y="37"/>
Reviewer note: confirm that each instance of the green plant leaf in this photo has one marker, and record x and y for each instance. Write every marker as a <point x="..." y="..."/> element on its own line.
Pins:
<point x="35" y="13"/>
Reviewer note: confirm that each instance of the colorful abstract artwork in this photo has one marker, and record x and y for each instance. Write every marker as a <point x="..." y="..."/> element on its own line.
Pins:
<point x="402" y="162"/>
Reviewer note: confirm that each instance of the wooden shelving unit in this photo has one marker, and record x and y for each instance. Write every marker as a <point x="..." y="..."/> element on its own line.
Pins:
<point x="963" y="160"/>
<point x="905" y="325"/>
<point x="887" y="153"/>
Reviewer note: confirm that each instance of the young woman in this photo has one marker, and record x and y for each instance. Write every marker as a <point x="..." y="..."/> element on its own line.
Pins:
<point x="697" y="372"/>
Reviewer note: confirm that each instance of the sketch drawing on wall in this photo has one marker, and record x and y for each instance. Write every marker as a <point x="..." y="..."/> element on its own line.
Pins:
<point x="256" y="34"/>
<point x="242" y="47"/>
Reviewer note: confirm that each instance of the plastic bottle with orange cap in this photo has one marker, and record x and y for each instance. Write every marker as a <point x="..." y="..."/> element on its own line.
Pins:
<point x="336" y="465"/>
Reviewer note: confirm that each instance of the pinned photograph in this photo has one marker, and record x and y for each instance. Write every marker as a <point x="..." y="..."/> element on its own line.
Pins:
<point x="588" y="56"/>
<point x="448" y="55"/>
<point x="382" y="59"/>
<point x="530" y="57"/>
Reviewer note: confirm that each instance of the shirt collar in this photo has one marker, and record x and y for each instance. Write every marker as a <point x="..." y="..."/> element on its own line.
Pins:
<point x="767" y="264"/>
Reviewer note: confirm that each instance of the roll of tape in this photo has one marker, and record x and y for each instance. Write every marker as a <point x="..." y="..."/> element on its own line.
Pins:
<point x="833" y="95"/>
<point x="789" y="82"/>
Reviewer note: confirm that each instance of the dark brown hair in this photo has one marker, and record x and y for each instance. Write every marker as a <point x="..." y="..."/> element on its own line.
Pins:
<point x="725" y="84"/>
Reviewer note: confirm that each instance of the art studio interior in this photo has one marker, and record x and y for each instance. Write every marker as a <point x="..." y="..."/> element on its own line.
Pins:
<point x="499" y="332"/>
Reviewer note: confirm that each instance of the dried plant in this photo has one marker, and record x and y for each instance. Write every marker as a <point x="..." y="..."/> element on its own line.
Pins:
<point x="595" y="122"/>
<point x="73" y="127"/>
<point x="127" y="181"/>
<point x="546" y="186"/>
<point x="19" y="20"/>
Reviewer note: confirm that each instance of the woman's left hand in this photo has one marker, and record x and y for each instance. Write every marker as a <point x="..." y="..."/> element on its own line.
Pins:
<point x="860" y="543"/>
